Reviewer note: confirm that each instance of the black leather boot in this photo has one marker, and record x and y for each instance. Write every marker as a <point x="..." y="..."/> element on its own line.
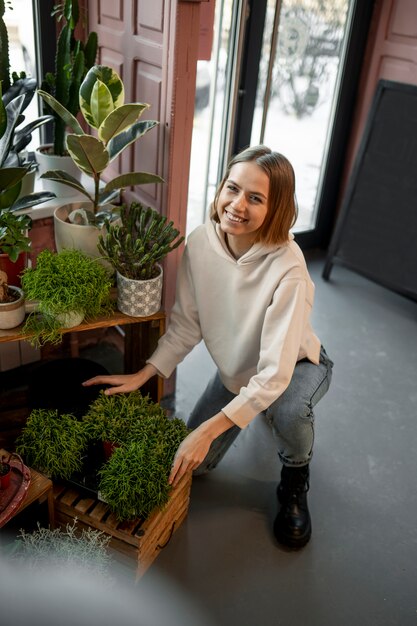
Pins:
<point x="292" y="526"/>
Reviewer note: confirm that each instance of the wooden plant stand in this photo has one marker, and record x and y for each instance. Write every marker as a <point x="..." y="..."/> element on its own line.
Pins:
<point x="140" y="539"/>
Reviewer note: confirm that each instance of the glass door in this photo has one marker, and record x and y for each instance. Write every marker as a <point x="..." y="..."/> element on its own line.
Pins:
<point x="283" y="73"/>
<point x="303" y="48"/>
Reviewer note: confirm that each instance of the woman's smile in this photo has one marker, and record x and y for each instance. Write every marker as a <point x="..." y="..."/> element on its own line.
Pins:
<point x="234" y="218"/>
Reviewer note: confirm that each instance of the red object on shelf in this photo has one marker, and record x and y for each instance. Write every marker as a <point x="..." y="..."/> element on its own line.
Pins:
<point x="12" y="496"/>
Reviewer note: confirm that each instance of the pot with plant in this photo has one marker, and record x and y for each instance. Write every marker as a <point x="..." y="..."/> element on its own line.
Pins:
<point x="18" y="91"/>
<point x="135" y="247"/>
<point x="67" y="286"/>
<point x="112" y="419"/>
<point x="14" y="239"/>
<point x="118" y="126"/>
<point x="72" y="61"/>
<point x="134" y="481"/>
<point x="52" y="443"/>
<point x="12" y="304"/>
<point x="16" y="137"/>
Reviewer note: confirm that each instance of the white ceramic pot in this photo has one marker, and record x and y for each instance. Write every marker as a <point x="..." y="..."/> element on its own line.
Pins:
<point x="139" y="298"/>
<point x="70" y="319"/>
<point x="12" y="314"/>
<point x="53" y="162"/>
<point x="81" y="237"/>
<point x="28" y="184"/>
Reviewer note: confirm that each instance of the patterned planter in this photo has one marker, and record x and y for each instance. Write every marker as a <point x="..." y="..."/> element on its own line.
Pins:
<point x="139" y="298"/>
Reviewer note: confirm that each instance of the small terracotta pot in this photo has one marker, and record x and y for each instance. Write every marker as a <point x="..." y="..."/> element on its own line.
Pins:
<point x="108" y="447"/>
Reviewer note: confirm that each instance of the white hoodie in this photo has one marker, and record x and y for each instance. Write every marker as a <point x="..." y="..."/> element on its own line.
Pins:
<point x="253" y="314"/>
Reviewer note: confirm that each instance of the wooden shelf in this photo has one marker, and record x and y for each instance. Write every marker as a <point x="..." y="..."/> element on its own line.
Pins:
<point x="116" y="319"/>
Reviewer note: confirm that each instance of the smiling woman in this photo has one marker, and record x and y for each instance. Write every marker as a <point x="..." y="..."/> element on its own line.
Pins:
<point x="243" y="286"/>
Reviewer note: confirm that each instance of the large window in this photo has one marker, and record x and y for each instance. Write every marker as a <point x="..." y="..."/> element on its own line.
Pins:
<point x="283" y="73"/>
<point x="19" y="21"/>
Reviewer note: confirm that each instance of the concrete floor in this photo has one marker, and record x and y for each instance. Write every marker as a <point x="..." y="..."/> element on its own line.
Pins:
<point x="361" y="564"/>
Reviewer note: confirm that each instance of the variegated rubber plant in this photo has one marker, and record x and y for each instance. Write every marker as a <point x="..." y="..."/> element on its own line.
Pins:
<point x="118" y="126"/>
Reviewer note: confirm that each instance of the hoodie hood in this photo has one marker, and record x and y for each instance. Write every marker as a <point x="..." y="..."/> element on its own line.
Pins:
<point x="217" y="240"/>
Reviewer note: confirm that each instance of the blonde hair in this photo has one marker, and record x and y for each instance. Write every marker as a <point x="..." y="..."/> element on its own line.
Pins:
<point x="282" y="209"/>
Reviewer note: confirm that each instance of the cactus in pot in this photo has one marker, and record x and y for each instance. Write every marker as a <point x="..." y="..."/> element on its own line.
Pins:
<point x="141" y="240"/>
<point x="135" y="247"/>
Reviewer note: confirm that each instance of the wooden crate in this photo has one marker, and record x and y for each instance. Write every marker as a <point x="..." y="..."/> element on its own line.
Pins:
<point x="140" y="539"/>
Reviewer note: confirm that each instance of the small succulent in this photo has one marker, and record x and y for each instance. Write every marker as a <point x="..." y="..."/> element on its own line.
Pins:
<point x="142" y="240"/>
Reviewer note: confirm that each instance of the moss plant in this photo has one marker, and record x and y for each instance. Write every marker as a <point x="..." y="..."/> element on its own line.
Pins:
<point x="134" y="481"/>
<point x="65" y="282"/>
<point x="112" y="418"/>
<point x="53" y="443"/>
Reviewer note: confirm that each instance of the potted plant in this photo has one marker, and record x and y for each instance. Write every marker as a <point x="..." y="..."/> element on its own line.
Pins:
<point x="134" y="480"/>
<point x="12" y="304"/>
<point x="68" y="286"/>
<point x="14" y="240"/>
<point x="135" y="247"/>
<point x="118" y="126"/>
<point x="18" y="91"/>
<point x="53" y="443"/>
<point x="111" y="419"/>
<point x="72" y="61"/>
<point x="17" y="137"/>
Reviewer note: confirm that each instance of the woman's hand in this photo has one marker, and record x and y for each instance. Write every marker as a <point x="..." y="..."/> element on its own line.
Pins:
<point x="194" y="448"/>
<point x="123" y="383"/>
<point x="191" y="453"/>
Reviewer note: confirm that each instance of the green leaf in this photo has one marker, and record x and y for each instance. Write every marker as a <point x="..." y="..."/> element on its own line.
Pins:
<point x="32" y="200"/>
<point x="124" y="139"/>
<point x="3" y="117"/>
<point x="8" y="196"/>
<point x="10" y="176"/>
<point x="101" y="103"/>
<point x="88" y="153"/>
<point x="131" y="179"/>
<point x="68" y="118"/>
<point x="120" y="119"/>
<point x="13" y="113"/>
<point x="110" y="78"/>
<point x="59" y="176"/>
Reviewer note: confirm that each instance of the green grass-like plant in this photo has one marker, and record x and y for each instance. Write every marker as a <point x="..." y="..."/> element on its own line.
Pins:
<point x="114" y="418"/>
<point x="53" y="443"/>
<point x="134" y="481"/>
<point x="64" y="282"/>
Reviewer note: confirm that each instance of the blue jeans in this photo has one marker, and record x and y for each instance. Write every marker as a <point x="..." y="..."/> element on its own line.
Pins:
<point x="291" y="417"/>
